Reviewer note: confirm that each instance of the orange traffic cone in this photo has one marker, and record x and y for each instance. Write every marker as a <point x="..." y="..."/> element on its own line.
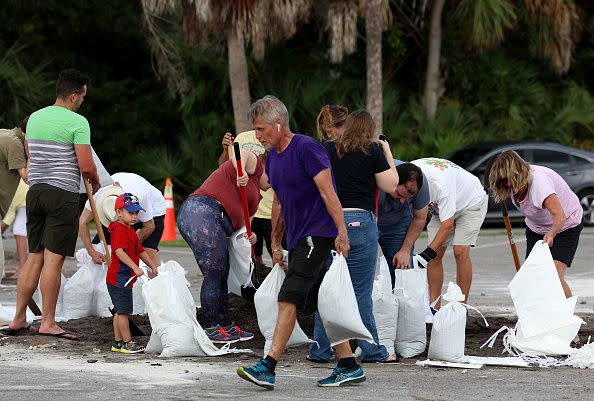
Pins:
<point x="169" y="230"/>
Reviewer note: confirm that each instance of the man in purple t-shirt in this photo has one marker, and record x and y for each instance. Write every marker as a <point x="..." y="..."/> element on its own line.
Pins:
<point x="306" y="205"/>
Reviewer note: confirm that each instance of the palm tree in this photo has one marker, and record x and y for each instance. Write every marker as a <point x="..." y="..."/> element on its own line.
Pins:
<point x="340" y="18"/>
<point x="488" y="20"/>
<point x="237" y="22"/>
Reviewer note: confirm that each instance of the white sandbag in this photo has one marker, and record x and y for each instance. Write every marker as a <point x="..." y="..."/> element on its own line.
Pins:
<point x="582" y="358"/>
<point x="409" y="289"/>
<point x="7" y="313"/>
<point x="172" y="313"/>
<point x="102" y="300"/>
<point x="385" y="313"/>
<point x="541" y="307"/>
<point x="546" y="323"/>
<point x="337" y="305"/>
<point x="78" y="299"/>
<point x="385" y="307"/>
<point x="266" y="303"/>
<point x="448" y="334"/>
<point x="60" y="315"/>
<point x="240" y="262"/>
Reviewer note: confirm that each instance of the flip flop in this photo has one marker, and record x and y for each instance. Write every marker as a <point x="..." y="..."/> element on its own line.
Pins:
<point x="388" y="361"/>
<point x="65" y="335"/>
<point x="7" y="331"/>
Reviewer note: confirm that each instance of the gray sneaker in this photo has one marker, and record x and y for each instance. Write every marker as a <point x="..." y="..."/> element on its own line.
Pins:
<point x="218" y="335"/>
<point x="234" y="330"/>
<point x="131" y="347"/>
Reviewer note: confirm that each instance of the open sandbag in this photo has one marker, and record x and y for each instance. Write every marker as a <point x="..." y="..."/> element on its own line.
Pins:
<point x="240" y="265"/>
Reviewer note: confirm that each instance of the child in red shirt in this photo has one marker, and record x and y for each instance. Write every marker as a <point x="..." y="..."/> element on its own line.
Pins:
<point x="123" y="270"/>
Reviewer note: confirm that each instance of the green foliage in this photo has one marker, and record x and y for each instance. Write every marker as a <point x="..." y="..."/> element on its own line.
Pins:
<point x="24" y="89"/>
<point x="487" y="20"/>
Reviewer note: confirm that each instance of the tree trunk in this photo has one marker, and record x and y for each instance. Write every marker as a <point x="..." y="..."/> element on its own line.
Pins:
<point x="433" y="84"/>
<point x="238" y="78"/>
<point x="373" y="35"/>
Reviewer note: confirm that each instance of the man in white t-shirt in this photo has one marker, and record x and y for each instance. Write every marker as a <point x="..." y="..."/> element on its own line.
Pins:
<point x="458" y="205"/>
<point x="150" y="221"/>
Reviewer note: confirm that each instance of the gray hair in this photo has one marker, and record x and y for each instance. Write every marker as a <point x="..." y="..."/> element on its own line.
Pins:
<point x="269" y="108"/>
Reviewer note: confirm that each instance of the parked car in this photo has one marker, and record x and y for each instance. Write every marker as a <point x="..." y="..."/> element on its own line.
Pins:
<point x="574" y="165"/>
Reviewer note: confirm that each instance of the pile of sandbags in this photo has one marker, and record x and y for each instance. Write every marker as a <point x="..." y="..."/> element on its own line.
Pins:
<point x="172" y="313"/>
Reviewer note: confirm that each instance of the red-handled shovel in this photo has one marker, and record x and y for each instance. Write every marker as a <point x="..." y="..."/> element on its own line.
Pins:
<point x="246" y="215"/>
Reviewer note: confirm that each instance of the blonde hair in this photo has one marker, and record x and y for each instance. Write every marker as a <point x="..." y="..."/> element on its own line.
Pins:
<point x="330" y="116"/>
<point x="358" y="133"/>
<point x="508" y="167"/>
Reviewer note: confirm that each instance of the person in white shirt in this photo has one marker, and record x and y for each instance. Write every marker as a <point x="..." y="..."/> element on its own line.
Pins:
<point x="458" y="205"/>
<point x="150" y="221"/>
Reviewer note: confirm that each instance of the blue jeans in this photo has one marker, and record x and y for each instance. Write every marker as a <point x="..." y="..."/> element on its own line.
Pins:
<point x="391" y="239"/>
<point x="362" y="231"/>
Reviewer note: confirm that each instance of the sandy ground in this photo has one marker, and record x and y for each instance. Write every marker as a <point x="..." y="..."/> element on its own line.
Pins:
<point x="60" y="369"/>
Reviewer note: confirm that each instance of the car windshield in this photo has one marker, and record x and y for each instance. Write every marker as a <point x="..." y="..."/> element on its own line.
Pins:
<point x="465" y="157"/>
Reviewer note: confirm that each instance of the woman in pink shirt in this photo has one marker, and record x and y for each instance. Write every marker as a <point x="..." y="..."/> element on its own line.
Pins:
<point x="553" y="211"/>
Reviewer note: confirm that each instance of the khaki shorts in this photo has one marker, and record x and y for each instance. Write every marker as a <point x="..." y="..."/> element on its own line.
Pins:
<point x="467" y="225"/>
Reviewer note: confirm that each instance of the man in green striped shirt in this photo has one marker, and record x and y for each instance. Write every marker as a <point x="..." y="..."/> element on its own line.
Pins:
<point x="59" y="147"/>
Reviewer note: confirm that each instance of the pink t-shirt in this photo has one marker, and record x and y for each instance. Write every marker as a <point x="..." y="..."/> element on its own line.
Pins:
<point x="544" y="182"/>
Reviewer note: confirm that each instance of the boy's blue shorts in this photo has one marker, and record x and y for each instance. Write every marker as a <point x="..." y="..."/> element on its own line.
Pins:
<point x="121" y="298"/>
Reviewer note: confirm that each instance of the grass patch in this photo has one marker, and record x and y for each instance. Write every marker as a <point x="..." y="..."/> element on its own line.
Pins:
<point x="180" y="243"/>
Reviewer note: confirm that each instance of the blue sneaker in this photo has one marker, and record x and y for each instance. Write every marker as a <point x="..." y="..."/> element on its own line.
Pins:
<point x="259" y="374"/>
<point x="343" y="376"/>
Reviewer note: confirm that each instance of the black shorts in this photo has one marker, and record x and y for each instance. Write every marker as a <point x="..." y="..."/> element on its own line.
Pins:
<point x="121" y="298"/>
<point x="306" y="272"/>
<point x="52" y="219"/>
<point x="564" y="245"/>
<point x="263" y="229"/>
<point x="152" y="241"/>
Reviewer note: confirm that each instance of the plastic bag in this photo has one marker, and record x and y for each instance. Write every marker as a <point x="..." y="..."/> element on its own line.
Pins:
<point x="102" y="299"/>
<point x="172" y="313"/>
<point x="240" y="265"/>
<point x="337" y="305"/>
<point x="409" y="289"/>
<point x="266" y="303"/>
<point x="385" y="307"/>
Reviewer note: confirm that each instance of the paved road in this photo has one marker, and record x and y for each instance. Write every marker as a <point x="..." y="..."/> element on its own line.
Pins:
<point x="53" y="375"/>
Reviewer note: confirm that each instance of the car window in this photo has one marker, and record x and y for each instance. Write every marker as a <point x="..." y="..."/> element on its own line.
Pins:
<point x="550" y="158"/>
<point x="578" y="161"/>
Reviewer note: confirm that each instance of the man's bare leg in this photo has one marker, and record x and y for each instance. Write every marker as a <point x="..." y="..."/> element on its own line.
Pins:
<point x="50" y="288"/>
<point x="287" y="316"/>
<point x="22" y="249"/>
<point x="435" y="276"/>
<point x="463" y="269"/>
<point x="26" y="286"/>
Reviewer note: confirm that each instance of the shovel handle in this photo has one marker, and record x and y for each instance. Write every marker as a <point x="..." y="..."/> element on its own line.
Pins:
<point x="97" y="221"/>
<point x="510" y="236"/>
<point x="246" y="215"/>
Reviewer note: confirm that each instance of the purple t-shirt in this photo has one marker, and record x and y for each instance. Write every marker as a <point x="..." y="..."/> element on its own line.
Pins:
<point x="544" y="182"/>
<point x="291" y="174"/>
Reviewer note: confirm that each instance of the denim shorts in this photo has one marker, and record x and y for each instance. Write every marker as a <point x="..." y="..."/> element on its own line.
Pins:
<point x="121" y="298"/>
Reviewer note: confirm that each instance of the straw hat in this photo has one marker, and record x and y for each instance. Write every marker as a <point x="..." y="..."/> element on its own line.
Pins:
<point x="105" y="201"/>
